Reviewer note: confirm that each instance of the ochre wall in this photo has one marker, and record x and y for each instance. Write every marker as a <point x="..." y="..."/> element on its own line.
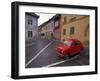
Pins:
<point x="81" y="25"/>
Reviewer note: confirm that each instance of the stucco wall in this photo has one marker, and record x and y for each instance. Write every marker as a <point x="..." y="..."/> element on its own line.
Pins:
<point x="33" y="27"/>
<point x="80" y="26"/>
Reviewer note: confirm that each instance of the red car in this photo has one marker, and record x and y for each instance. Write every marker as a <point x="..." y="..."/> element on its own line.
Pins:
<point x="69" y="48"/>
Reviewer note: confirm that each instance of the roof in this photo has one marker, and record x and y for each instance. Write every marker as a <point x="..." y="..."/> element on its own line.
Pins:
<point x="53" y="18"/>
<point x="32" y="14"/>
<point x="73" y="40"/>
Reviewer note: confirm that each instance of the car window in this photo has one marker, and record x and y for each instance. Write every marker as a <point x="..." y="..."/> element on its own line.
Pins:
<point x="67" y="43"/>
<point x="78" y="43"/>
<point x="75" y="43"/>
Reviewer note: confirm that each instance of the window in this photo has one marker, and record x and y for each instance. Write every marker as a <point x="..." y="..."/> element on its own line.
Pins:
<point x="29" y="34"/>
<point x="65" y="20"/>
<point x="73" y="44"/>
<point x="29" y="21"/>
<point x="67" y="43"/>
<point x="42" y="34"/>
<point x="72" y="30"/>
<point x="76" y="44"/>
<point x="52" y="25"/>
<point x="48" y="26"/>
<point x="64" y="31"/>
<point x="56" y="23"/>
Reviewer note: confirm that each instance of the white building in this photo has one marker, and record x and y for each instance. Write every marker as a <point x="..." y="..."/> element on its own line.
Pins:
<point x="31" y="26"/>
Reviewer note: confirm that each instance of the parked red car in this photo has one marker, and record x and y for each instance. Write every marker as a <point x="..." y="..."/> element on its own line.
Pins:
<point x="69" y="48"/>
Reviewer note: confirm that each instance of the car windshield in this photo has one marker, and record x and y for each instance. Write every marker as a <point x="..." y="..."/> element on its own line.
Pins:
<point x="67" y="43"/>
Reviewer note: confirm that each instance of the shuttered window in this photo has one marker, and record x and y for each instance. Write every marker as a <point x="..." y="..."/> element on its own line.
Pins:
<point x="72" y="30"/>
<point x="29" y="34"/>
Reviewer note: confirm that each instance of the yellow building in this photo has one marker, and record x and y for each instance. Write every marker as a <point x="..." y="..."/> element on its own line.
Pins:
<point x="75" y="26"/>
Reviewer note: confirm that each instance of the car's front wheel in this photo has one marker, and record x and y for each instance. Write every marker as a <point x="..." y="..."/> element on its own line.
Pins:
<point x="67" y="56"/>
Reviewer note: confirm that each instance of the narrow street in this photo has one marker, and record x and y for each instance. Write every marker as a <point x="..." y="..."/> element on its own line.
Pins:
<point x="42" y="53"/>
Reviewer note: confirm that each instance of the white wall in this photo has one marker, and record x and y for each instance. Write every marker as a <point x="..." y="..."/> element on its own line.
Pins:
<point x="33" y="27"/>
<point x="5" y="40"/>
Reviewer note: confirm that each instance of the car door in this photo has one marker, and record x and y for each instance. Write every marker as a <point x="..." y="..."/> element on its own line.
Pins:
<point x="78" y="45"/>
<point x="75" y="48"/>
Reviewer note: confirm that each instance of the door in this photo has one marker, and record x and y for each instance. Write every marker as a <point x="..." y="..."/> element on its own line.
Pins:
<point x="75" y="48"/>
